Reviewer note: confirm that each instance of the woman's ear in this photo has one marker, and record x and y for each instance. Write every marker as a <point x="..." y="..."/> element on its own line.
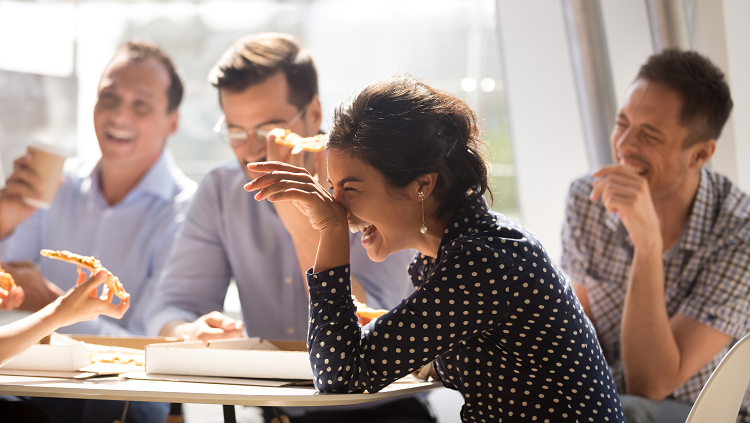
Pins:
<point x="425" y="184"/>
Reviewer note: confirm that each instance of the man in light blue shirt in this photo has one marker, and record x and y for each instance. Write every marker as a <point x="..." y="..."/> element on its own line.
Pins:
<point x="264" y="81"/>
<point x="123" y="208"/>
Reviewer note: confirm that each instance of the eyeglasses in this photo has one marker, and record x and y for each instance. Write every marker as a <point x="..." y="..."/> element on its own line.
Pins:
<point x="237" y="137"/>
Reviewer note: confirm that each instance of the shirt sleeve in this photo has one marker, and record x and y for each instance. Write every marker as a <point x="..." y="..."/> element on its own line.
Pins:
<point x="460" y="299"/>
<point x="720" y="297"/>
<point x="196" y="275"/>
<point x="25" y="242"/>
<point x="574" y="262"/>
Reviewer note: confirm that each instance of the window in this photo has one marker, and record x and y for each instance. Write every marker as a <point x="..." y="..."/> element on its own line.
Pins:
<point x="451" y="44"/>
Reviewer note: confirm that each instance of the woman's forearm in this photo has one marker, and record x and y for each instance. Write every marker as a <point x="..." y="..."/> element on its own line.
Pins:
<point x="333" y="248"/>
<point x="18" y="336"/>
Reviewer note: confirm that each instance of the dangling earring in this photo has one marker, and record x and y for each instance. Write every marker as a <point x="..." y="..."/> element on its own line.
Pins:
<point x="423" y="229"/>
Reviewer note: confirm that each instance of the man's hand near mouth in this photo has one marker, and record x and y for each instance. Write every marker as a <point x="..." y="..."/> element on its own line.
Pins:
<point x="624" y="191"/>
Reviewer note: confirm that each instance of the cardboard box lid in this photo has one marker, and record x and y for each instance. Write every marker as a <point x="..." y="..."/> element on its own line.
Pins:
<point x="135" y="342"/>
<point x="71" y="354"/>
<point x="245" y="358"/>
<point x="59" y="358"/>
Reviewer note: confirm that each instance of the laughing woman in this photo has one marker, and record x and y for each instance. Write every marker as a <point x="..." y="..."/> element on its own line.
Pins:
<point x="491" y="311"/>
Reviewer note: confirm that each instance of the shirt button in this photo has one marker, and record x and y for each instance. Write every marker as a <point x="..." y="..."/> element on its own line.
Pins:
<point x="313" y="281"/>
<point x="315" y="295"/>
<point x="108" y="212"/>
<point x="288" y="280"/>
<point x="290" y="330"/>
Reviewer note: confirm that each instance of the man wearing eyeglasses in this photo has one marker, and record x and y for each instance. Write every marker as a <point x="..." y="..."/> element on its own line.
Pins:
<point x="264" y="81"/>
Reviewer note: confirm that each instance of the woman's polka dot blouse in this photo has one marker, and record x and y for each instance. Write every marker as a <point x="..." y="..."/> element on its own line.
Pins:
<point x="495" y="314"/>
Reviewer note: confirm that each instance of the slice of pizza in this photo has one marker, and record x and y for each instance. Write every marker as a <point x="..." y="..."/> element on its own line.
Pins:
<point x="6" y="280"/>
<point x="89" y="263"/>
<point x="290" y="139"/>
<point x="365" y="314"/>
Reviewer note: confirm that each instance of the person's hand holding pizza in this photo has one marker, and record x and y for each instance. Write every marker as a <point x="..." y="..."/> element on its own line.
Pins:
<point x="38" y="290"/>
<point x="81" y="303"/>
<point x="11" y="298"/>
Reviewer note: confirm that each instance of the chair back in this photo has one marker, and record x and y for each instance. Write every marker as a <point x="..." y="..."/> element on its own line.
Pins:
<point x="721" y="398"/>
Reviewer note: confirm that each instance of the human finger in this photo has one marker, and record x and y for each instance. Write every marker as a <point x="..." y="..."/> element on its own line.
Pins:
<point x="321" y="167"/>
<point x="17" y="188"/>
<point x="286" y="186"/>
<point x="18" y="296"/>
<point x="292" y="194"/>
<point x="229" y="324"/>
<point x="22" y="170"/>
<point x="616" y="202"/>
<point x="22" y="161"/>
<point x="12" y="298"/>
<point x="275" y="177"/>
<point x="208" y="333"/>
<point x="115" y="311"/>
<point x="276" y="151"/>
<point x="4" y="304"/>
<point x="107" y="294"/>
<point x="92" y="283"/>
<point x="608" y="170"/>
<point x="216" y="319"/>
<point x="270" y="166"/>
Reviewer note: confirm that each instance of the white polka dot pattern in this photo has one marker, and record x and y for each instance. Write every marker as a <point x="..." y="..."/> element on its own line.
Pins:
<point x="494" y="313"/>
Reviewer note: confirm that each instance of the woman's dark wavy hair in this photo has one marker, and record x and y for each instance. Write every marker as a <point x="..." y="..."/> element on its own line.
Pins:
<point x="403" y="128"/>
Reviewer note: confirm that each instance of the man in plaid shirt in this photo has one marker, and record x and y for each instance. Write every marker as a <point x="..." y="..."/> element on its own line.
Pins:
<point x="657" y="247"/>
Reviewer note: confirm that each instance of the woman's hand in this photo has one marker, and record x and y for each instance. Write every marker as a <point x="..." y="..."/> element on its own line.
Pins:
<point x="81" y="302"/>
<point x="284" y="182"/>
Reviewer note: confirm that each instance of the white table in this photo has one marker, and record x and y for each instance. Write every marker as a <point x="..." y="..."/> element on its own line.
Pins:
<point x="121" y="389"/>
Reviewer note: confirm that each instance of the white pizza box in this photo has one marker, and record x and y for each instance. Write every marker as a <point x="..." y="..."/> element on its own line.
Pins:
<point x="70" y="353"/>
<point x="246" y="358"/>
<point x="45" y="357"/>
<point x="133" y="342"/>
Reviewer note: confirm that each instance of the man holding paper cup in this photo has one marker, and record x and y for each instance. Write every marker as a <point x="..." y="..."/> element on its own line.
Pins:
<point x="123" y="207"/>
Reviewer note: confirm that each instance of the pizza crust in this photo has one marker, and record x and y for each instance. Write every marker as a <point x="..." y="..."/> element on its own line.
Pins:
<point x="91" y="264"/>
<point x="6" y="280"/>
<point x="366" y="313"/>
<point x="289" y="139"/>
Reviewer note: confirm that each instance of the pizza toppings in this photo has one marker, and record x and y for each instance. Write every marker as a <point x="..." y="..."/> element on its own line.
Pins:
<point x="6" y="280"/>
<point x="290" y="139"/>
<point x="91" y="264"/>
<point x="365" y="313"/>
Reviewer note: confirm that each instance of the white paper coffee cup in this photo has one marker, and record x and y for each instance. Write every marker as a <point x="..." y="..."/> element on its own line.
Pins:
<point x="48" y="163"/>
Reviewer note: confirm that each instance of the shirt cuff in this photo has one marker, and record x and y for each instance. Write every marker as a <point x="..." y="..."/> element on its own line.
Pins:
<point x="170" y="314"/>
<point x="329" y="284"/>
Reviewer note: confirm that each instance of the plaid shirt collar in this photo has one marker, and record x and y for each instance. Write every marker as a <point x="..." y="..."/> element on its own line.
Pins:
<point x="698" y="225"/>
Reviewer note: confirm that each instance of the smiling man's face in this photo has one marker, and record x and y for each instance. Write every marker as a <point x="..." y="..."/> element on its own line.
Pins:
<point x="649" y="137"/>
<point x="262" y="104"/>
<point x="131" y="116"/>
